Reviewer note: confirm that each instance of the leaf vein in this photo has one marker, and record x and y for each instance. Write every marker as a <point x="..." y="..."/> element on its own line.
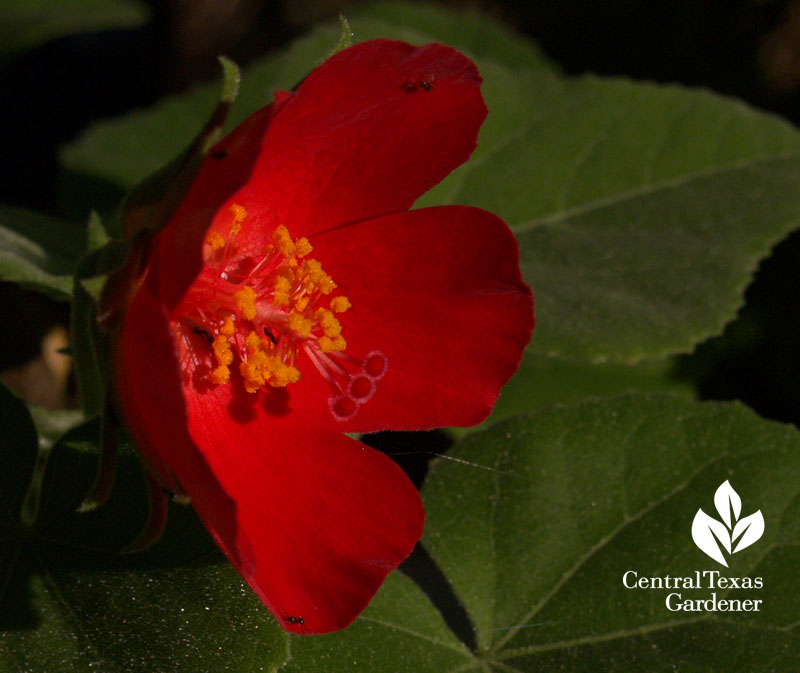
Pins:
<point x="601" y="543"/>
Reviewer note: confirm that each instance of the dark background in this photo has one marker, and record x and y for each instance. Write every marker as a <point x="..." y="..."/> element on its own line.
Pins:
<point x="746" y="48"/>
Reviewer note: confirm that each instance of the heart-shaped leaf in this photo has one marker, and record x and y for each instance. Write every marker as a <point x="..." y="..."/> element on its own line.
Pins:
<point x="642" y="211"/>
<point x="537" y="520"/>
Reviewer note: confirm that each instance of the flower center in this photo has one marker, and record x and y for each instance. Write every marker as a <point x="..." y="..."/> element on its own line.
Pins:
<point x="259" y="312"/>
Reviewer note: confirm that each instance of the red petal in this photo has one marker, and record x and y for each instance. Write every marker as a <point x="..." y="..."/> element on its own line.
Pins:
<point x="438" y="291"/>
<point x="148" y="389"/>
<point x="325" y="517"/>
<point x="152" y="405"/>
<point x="366" y="134"/>
<point x="313" y="520"/>
<point x="228" y="165"/>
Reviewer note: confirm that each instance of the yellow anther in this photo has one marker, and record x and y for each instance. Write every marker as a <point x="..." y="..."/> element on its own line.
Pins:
<point x="300" y="325"/>
<point x="239" y="215"/>
<point x="283" y="241"/>
<point x="215" y="240"/>
<point x="246" y="301"/>
<point x="303" y="247"/>
<point x="273" y="364"/>
<point x="252" y="341"/>
<point x="221" y="375"/>
<point x="222" y="350"/>
<point x="329" y="345"/>
<point x="252" y="371"/>
<point x="330" y="325"/>
<point x="325" y="318"/>
<point x="228" y="328"/>
<point x="340" y="304"/>
<point x="326" y="284"/>
<point x="259" y="360"/>
<point x="252" y="387"/>
<point x="283" y="287"/>
<point x="311" y="269"/>
<point x="264" y="340"/>
<point x="284" y="376"/>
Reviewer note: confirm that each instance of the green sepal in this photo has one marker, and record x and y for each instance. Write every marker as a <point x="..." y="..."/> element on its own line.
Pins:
<point x="152" y="203"/>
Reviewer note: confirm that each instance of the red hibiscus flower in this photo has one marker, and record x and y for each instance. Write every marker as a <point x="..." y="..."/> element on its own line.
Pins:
<point x="294" y="298"/>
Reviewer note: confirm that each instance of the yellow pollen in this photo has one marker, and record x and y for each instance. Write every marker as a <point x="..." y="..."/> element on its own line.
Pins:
<point x="330" y="325"/>
<point x="221" y="375"/>
<point x="283" y="241"/>
<point x="215" y="240"/>
<point x="284" y="376"/>
<point x="252" y="371"/>
<point x="239" y="215"/>
<point x="246" y="301"/>
<point x="326" y="285"/>
<point x="253" y="341"/>
<point x="340" y="304"/>
<point x="303" y="247"/>
<point x="222" y="351"/>
<point x="228" y="328"/>
<point x="266" y="340"/>
<point x="283" y="288"/>
<point x="329" y="345"/>
<point x="300" y="325"/>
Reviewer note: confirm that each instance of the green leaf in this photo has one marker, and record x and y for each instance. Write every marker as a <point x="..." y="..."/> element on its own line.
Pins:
<point x="153" y="202"/>
<point x="641" y="210"/>
<point x="535" y="521"/>
<point x="400" y="632"/>
<point x="39" y="252"/>
<point x="29" y="23"/>
<point x="543" y="381"/>
<point x="476" y="33"/>
<point x="73" y="603"/>
<point x="128" y="149"/>
<point x="87" y="350"/>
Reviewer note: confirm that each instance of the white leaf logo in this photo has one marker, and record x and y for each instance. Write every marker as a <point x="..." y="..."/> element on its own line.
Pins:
<point x="713" y="536"/>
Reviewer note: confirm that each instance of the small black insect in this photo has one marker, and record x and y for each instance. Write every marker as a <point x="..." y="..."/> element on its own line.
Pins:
<point x="295" y="620"/>
<point x="414" y="84"/>
<point x="203" y="334"/>
<point x="219" y="154"/>
<point x="271" y="336"/>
